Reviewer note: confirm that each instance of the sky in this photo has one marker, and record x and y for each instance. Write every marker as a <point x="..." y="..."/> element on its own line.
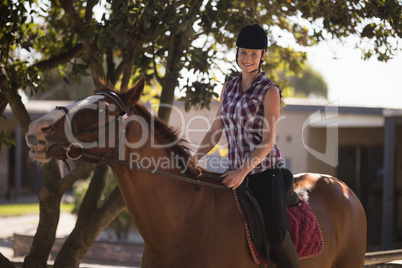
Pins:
<point x="353" y="81"/>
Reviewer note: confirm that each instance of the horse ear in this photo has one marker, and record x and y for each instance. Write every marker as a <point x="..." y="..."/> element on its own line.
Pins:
<point x="132" y="96"/>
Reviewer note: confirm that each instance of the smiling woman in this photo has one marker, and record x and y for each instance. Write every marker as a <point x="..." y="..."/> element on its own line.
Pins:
<point x="249" y="111"/>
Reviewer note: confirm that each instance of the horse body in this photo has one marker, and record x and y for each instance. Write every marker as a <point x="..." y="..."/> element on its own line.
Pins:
<point x="182" y="226"/>
<point x="187" y="227"/>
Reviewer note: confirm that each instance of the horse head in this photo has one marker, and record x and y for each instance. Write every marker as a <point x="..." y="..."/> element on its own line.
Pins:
<point x="86" y="124"/>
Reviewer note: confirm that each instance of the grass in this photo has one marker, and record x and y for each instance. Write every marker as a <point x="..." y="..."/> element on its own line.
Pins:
<point x="22" y="209"/>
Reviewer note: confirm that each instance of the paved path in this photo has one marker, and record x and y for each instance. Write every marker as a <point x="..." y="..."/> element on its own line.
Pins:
<point x="27" y="224"/>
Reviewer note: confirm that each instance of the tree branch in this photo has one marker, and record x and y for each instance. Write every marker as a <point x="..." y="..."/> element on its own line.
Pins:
<point x="158" y="78"/>
<point x="18" y="108"/>
<point x="86" y="230"/>
<point x="71" y="13"/>
<point x="75" y="175"/>
<point x="194" y="9"/>
<point x="88" y="9"/>
<point x="51" y="63"/>
<point x="128" y="62"/>
<point x="90" y="48"/>
<point x="113" y="206"/>
<point x="94" y="192"/>
<point x="118" y="72"/>
<point x="110" y="72"/>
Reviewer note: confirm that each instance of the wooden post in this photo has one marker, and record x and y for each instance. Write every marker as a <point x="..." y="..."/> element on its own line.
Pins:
<point x="18" y="161"/>
<point x="388" y="183"/>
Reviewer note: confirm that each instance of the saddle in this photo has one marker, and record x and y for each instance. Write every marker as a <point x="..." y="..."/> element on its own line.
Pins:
<point x="297" y="209"/>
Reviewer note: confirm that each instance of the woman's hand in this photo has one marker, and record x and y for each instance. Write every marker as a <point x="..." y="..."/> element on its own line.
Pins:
<point x="234" y="178"/>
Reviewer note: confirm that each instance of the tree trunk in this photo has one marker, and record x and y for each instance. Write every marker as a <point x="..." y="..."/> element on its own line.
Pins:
<point x="170" y="81"/>
<point x="178" y="42"/>
<point x="91" y="220"/>
<point x="167" y="96"/>
<point x="18" y="108"/>
<point x="49" y="199"/>
<point x="49" y="196"/>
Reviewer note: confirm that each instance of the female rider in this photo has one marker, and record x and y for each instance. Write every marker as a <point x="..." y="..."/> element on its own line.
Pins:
<point x="248" y="112"/>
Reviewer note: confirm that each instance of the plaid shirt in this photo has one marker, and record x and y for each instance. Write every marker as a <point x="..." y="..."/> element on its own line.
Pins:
<point x="243" y="116"/>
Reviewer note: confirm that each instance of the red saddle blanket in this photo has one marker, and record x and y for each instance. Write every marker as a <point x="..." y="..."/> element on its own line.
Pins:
<point x="304" y="229"/>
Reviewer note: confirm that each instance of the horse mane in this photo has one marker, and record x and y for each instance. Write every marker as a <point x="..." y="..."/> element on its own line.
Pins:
<point x="165" y="134"/>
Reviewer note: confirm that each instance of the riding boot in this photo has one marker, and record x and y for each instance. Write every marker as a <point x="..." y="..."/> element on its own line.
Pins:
<point x="285" y="254"/>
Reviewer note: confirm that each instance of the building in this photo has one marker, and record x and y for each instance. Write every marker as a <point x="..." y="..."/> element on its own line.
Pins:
<point x="361" y="146"/>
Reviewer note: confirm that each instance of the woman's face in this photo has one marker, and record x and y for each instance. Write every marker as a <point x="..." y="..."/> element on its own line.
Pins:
<point x="249" y="59"/>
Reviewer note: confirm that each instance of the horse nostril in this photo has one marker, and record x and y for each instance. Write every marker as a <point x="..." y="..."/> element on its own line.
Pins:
<point x="47" y="129"/>
<point x="31" y="140"/>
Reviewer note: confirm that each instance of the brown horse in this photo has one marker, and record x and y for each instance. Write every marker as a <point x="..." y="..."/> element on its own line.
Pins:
<point x="183" y="226"/>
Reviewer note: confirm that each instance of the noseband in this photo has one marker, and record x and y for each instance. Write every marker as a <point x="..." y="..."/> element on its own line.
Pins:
<point x="110" y="94"/>
<point x="73" y="129"/>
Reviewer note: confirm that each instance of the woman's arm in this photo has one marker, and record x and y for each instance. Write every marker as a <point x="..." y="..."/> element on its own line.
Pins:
<point x="271" y="104"/>
<point x="214" y="134"/>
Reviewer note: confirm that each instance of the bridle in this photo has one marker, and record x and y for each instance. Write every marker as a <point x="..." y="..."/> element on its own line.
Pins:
<point x="73" y="130"/>
<point x="102" y="160"/>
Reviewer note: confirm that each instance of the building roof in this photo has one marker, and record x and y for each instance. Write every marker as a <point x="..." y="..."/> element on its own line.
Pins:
<point x="312" y="105"/>
<point x="349" y="115"/>
<point x="38" y="107"/>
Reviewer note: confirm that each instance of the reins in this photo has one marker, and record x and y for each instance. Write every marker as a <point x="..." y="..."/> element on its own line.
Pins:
<point x="102" y="160"/>
<point x="161" y="173"/>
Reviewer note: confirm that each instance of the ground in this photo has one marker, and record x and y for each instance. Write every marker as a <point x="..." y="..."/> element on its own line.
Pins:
<point x="26" y="224"/>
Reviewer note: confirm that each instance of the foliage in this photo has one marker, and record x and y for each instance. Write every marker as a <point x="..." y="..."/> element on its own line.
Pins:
<point x="18" y="33"/>
<point x="309" y="83"/>
<point x="6" y="140"/>
<point x="167" y="40"/>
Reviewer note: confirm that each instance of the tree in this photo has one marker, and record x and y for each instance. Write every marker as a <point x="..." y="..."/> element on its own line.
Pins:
<point x="309" y="83"/>
<point x="162" y="40"/>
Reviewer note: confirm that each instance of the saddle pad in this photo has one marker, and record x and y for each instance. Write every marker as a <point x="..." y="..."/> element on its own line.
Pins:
<point x="304" y="229"/>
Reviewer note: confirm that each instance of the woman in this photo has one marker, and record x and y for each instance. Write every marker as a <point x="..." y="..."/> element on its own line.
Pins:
<point x="248" y="112"/>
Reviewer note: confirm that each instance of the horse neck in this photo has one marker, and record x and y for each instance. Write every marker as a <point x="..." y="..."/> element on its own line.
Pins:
<point x="158" y="205"/>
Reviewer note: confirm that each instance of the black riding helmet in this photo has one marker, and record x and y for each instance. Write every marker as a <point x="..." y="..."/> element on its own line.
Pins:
<point x="252" y="37"/>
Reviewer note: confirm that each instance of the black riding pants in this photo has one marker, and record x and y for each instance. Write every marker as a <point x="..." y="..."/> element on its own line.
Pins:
<point x="269" y="190"/>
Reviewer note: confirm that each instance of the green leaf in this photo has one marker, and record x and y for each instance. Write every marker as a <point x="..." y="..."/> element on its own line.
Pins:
<point x="6" y="140"/>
